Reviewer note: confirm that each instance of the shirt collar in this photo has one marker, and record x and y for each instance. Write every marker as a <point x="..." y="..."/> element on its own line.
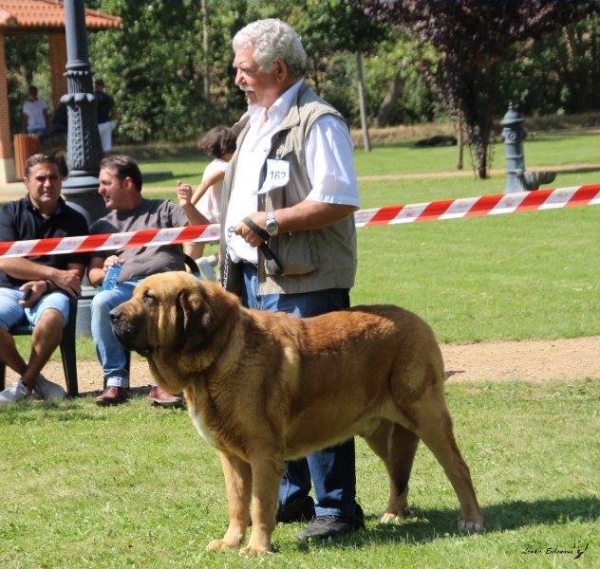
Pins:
<point x="280" y="108"/>
<point x="32" y="207"/>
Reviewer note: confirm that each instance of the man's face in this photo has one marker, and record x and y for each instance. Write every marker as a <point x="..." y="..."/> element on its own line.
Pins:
<point x="43" y="186"/>
<point x="262" y="88"/>
<point x="112" y="190"/>
<point x="33" y="95"/>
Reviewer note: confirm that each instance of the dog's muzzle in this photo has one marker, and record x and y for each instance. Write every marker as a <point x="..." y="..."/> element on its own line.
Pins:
<point x="125" y="332"/>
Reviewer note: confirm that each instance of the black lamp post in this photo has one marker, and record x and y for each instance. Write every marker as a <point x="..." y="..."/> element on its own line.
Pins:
<point x="84" y="148"/>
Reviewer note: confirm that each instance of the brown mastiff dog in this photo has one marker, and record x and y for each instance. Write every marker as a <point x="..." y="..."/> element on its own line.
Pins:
<point x="264" y="387"/>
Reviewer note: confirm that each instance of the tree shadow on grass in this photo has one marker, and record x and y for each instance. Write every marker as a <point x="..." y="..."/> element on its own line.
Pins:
<point x="430" y="525"/>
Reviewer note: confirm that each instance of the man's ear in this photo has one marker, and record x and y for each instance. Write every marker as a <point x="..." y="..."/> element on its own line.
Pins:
<point x="281" y="71"/>
<point x="127" y="182"/>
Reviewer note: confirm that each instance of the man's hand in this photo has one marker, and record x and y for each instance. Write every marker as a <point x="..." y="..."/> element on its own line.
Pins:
<point x="247" y="234"/>
<point x="184" y="194"/>
<point x="68" y="281"/>
<point x="112" y="260"/>
<point x="32" y="292"/>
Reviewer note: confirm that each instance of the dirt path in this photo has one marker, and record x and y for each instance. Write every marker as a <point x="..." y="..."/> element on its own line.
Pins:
<point x="529" y="360"/>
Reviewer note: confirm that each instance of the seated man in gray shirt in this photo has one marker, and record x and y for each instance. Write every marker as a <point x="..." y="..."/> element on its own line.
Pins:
<point x="121" y="188"/>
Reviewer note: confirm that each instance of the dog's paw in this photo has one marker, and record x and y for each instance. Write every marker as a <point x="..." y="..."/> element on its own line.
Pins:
<point x="221" y="544"/>
<point x="250" y="551"/>
<point x="470" y="526"/>
<point x="389" y="519"/>
<point x="396" y="517"/>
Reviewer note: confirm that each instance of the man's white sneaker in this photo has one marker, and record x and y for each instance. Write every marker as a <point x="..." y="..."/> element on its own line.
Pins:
<point x="48" y="390"/>
<point x="14" y="393"/>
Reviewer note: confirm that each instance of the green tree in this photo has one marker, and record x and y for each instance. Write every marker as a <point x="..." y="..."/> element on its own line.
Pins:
<point x="169" y="67"/>
<point x="472" y="38"/>
<point x="26" y="64"/>
<point x="398" y="90"/>
<point x="155" y="66"/>
<point x="337" y="25"/>
<point x="559" y="74"/>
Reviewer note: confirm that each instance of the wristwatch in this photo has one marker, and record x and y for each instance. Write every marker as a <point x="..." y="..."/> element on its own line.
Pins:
<point x="272" y="225"/>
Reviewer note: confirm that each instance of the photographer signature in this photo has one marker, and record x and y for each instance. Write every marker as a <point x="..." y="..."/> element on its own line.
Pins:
<point x="577" y="550"/>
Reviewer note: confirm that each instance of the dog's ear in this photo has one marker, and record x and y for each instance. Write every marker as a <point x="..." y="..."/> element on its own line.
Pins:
<point x="195" y="316"/>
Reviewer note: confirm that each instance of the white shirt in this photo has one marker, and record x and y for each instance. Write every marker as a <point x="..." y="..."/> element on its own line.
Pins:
<point x="209" y="205"/>
<point x="34" y="110"/>
<point x="329" y="163"/>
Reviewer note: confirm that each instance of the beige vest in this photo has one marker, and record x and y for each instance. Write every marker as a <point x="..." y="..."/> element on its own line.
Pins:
<point x="312" y="260"/>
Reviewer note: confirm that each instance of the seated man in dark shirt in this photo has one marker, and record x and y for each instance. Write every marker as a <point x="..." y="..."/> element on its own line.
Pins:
<point x="37" y="289"/>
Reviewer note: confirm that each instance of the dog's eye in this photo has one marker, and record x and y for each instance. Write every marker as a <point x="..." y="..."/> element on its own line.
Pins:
<point x="148" y="299"/>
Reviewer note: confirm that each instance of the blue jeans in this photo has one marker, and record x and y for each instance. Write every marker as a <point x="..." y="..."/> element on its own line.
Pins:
<point x="111" y="353"/>
<point x="332" y="470"/>
<point x="12" y="313"/>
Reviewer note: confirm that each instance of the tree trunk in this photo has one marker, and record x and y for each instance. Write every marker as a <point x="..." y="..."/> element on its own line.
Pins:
<point x="385" y="109"/>
<point x="362" y="103"/>
<point x="460" y="144"/>
<point x="481" y="147"/>
<point x="205" y="37"/>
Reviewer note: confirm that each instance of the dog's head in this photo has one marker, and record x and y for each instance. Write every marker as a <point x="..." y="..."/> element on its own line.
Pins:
<point x="172" y="314"/>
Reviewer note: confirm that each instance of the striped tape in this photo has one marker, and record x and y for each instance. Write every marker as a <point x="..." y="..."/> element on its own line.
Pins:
<point x="538" y="200"/>
<point x="479" y="206"/>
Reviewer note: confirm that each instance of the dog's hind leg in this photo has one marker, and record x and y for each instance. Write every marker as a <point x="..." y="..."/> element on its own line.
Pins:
<point x="396" y="446"/>
<point x="434" y="427"/>
<point x="238" y="484"/>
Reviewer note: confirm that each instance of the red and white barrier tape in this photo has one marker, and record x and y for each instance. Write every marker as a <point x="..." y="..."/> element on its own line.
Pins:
<point x="484" y="205"/>
<point x="390" y="215"/>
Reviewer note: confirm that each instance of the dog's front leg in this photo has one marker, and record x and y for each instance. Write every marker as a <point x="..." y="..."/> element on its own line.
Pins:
<point x="238" y="484"/>
<point x="267" y="471"/>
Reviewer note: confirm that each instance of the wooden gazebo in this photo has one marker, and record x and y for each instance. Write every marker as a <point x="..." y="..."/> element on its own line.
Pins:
<point x="19" y="17"/>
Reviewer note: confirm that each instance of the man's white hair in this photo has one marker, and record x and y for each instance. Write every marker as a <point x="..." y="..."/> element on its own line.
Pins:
<point x="273" y="39"/>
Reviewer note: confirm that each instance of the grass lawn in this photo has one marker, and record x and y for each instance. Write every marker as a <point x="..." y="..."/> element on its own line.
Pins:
<point x="165" y="168"/>
<point x="526" y="275"/>
<point x="134" y="486"/>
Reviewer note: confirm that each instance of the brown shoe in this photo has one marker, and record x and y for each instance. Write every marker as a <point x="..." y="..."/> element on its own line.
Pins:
<point x="157" y="396"/>
<point x="113" y="396"/>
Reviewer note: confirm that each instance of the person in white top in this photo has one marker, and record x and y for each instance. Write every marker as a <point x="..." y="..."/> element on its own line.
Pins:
<point x="35" y="114"/>
<point x="219" y="144"/>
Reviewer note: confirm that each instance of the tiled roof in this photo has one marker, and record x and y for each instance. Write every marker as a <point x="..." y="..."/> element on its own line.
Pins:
<point x="33" y="15"/>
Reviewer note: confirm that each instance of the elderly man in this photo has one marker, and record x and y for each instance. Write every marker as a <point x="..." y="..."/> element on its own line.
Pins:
<point x="37" y="289"/>
<point x="288" y="237"/>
